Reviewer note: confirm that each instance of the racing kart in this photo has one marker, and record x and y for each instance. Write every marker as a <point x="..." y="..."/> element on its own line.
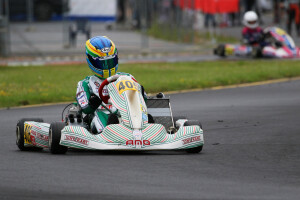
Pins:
<point x="279" y="45"/>
<point x="133" y="125"/>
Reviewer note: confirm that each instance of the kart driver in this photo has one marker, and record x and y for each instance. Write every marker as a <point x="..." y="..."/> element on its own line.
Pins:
<point x="102" y="59"/>
<point x="252" y="34"/>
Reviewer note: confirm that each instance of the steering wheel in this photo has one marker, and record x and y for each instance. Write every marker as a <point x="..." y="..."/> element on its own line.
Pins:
<point x="104" y="83"/>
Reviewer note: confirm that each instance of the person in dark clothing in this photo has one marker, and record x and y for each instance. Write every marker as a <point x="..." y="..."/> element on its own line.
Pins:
<point x="293" y="12"/>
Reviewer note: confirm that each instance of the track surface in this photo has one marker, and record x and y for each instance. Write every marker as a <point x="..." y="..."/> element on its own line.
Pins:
<point x="252" y="152"/>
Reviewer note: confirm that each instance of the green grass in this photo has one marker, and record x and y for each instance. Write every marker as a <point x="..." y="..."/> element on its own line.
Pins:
<point x="47" y="84"/>
<point x="174" y="34"/>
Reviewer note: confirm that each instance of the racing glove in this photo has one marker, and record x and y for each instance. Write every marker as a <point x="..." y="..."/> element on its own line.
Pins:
<point x="94" y="101"/>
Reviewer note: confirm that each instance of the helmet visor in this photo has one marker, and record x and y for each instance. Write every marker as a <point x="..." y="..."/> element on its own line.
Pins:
<point x="252" y="22"/>
<point x="102" y="64"/>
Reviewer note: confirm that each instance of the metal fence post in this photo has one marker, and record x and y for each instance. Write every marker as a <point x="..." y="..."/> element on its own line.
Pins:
<point x="144" y="25"/>
<point x="4" y="29"/>
<point x="29" y="15"/>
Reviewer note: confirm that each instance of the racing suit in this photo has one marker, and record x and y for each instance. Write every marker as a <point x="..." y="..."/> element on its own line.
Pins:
<point x="88" y="87"/>
<point x="253" y="36"/>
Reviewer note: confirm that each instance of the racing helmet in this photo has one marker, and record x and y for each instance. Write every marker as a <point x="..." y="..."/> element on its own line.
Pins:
<point x="102" y="56"/>
<point x="250" y="19"/>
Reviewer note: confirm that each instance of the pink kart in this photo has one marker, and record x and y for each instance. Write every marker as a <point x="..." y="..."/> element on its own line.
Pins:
<point x="280" y="45"/>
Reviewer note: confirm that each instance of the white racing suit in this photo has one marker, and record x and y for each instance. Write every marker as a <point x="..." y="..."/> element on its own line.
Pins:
<point x="87" y="87"/>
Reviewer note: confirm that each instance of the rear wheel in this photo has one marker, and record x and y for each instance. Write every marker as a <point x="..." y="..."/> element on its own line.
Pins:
<point x="150" y="119"/>
<point x="193" y="123"/>
<point x="220" y="50"/>
<point x="54" y="138"/>
<point x="256" y="52"/>
<point x="20" y="133"/>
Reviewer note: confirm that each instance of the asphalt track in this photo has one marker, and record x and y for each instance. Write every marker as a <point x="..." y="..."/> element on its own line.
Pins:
<point x="252" y="152"/>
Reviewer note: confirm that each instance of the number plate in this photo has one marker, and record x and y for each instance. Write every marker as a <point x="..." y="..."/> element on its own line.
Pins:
<point x="126" y="85"/>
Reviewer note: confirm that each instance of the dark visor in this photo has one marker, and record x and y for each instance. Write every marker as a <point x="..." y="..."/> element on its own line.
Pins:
<point x="252" y="22"/>
<point x="104" y="64"/>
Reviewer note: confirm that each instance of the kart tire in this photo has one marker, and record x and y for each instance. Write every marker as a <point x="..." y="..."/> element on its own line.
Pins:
<point x="220" y="50"/>
<point x="192" y="123"/>
<point x="195" y="149"/>
<point x="175" y="118"/>
<point x="20" y="134"/>
<point x="112" y="119"/>
<point x="54" y="138"/>
<point x="150" y="119"/>
<point x="256" y="52"/>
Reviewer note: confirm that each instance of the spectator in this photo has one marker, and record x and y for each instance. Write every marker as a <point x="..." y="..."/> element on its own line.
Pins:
<point x="277" y="7"/>
<point x="293" y="13"/>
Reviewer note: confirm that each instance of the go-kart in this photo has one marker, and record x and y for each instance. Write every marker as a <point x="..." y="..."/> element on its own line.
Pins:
<point x="279" y="44"/>
<point x="134" y="125"/>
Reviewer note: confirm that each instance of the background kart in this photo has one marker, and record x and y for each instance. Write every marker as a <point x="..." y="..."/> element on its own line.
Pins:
<point x="280" y="45"/>
<point x="131" y="127"/>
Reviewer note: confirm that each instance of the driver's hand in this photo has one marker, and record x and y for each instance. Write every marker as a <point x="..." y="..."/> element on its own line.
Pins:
<point x="94" y="101"/>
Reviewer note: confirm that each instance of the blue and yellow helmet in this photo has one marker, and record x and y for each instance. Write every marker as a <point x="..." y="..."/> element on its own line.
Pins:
<point x="102" y="56"/>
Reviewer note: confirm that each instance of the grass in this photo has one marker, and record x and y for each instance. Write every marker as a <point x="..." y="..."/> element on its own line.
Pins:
<point x="175" y="34"/>
<point x="48" y="84"/>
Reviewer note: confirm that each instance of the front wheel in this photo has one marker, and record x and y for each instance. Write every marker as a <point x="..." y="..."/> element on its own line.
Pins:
<point x="20" y="133"/>
<point x="193" y="123"/>
<point x="54" y="138"/>
<point x="195" y="149"/>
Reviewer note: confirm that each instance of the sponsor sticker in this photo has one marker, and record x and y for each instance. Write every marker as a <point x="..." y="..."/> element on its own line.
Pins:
<point x="97" y="84"/>
<point x="76" y="139"/>
<point x="145" y="117"/>
<point x="138" y="142"/>
<point x="105" y="50"/>
<point x="27" y="138"/>
<point x="82" y="100"/>
<point x="42" y="137"/>
<point x="192" y="139"/>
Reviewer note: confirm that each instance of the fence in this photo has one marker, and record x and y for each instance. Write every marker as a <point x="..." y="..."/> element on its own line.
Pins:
<point x="58" y="31"/>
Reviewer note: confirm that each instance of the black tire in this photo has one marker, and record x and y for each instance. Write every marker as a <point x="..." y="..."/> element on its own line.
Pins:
<point x="193" y="123"/>
<point x="112" y="119"/>
<point x="20" y="134"/>
<point x="150" y="119"/>
<point x="54" y="138"/>
<point x="175" y="118"/>
<point x="256" y="52"/>
<point x="195" y="149"/>
<point x="220" y="50"/>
